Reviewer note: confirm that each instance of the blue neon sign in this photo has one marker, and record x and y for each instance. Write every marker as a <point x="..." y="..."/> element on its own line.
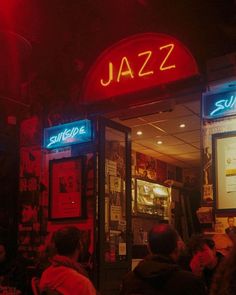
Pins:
<point x="219" y="105"/>
<point x="67" y="134"/>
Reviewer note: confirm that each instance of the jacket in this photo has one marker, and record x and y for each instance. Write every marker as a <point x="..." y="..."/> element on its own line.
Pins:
<point x="159" y="275"/>
<point x="66" y="277"/>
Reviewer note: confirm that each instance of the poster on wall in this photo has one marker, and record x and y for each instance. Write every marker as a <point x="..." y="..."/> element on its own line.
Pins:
<point x="29" y="224"/>
<point x="30" y="132"/>
<point x="210" y="128"/>
<point x="66" y="192"/>
<point x="224" y="157"/>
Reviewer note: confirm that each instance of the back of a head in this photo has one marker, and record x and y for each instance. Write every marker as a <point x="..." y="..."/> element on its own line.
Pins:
<point x="67" y="240"/>
<point x="163" y="239"/>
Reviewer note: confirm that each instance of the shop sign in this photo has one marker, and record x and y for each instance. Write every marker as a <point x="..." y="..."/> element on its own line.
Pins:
<point x="219" y="105"/>
<point x="137" y="63"/>
<point x="67" y="134"/>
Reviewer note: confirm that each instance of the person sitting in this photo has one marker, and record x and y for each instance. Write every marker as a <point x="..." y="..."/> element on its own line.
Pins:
<point x="205" y="259"/>
<point x="223" y="282"/>
<point x="159" y="272"/>
<point x="13" y="268"/>
<point x="65" y="275"/>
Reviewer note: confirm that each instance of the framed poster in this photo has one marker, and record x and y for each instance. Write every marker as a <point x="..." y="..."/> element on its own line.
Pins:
<point x="66" y="189"/>
<point x="224" y="171"/>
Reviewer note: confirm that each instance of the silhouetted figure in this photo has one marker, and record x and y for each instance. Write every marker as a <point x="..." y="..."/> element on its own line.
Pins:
<point x="159" y="273"/>
<point x="224" y="280"/>
<point x="12" y="268"/>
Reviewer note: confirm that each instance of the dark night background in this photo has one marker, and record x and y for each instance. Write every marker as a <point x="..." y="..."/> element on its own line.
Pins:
<point x="64" y="37"/>
<point x="48" y="46"/>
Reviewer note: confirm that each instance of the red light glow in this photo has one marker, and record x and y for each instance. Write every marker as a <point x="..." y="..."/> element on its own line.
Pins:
<point x="137" y="63"/>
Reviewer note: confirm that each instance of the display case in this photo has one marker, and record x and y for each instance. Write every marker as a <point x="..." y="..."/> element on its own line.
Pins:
<point x="150" y="199"/>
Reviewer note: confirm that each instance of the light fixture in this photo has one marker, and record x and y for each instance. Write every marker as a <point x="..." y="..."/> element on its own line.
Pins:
<point x="159" y="142"/>
<point x="139" y="133"/>
<point x="182" y="125"/>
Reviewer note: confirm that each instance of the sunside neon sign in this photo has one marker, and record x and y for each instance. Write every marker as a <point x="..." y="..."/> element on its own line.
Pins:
<point x="67" y="134"/>
<point x="219" y="105"/>
<point x="137" y="63"/>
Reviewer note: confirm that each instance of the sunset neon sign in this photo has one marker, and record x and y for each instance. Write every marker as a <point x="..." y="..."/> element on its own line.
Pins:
<point x="137" y="63"/>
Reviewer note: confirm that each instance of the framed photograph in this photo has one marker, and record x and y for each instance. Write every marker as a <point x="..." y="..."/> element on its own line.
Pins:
<point x="66" y="189"/>
<point x="224" y="171"/>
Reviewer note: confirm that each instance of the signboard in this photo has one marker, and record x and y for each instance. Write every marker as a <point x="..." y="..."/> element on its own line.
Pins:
<point x="67" y="134"/>
<point x="137" y="63"/>
<point x="219" y="105"/>
<point x="224" y="163"/>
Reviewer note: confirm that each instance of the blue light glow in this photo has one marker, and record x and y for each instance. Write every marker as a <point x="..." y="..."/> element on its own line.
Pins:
<point x="219" y="105"/>
<point x="67" y="134"/>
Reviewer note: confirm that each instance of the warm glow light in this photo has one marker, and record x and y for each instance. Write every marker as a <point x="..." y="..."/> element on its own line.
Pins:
<point x="138" y="63"/>
<point x="182" y="125"/>
<point x="159" y="142"/>
<point x="149" y="54"/>
<point x="162" y="68"/>
<point x="139" y="133"/>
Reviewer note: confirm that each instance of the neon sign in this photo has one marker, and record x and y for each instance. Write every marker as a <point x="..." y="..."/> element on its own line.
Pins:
<point x="137" y="63"/>
<point x="125" y="69"/>
<point x="219" y="105"/>
<point x="67" y="134"/>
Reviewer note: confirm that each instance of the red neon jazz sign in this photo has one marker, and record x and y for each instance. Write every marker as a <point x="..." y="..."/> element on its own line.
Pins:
<point x="137" y="63"/>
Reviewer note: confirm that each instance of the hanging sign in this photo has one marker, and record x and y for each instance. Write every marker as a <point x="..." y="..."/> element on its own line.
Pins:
<point x="219" y="104"/>
<point x="67" y="134"/>
<point x="137" y="63"/>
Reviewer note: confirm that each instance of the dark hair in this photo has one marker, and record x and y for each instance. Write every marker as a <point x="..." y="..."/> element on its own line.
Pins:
<point x="67" y="240"/>
<point x="163" y="239"/>
<point x="198" y="242"/>
<point x="224" y="279"/>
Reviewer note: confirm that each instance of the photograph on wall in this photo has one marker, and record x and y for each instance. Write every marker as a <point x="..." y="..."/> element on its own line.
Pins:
<point x="224" y="158"/>
<point x="66" y="190"/>
<point x="146" y="166"/>
<point x="30" y="132"/>
<point x="30" y="162"/>
<point x="226" y="225"/>
<point x="29" y="225"/>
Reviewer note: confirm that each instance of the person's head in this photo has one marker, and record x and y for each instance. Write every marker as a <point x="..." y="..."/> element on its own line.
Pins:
<point x="67" y="241"/>
<point x="163" y="240"/>
<point x="230" y="221"/>
<point x="204" y="249"/>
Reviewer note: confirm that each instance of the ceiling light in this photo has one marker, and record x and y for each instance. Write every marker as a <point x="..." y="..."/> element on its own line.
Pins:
<point x="139" y="133"/>
<point x="182" y="125"/>
<point x="159" y="142"/>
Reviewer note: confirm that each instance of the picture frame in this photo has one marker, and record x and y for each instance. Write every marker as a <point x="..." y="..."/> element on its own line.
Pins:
<point x="224" y="171"/>
<point x="66" y="188"/>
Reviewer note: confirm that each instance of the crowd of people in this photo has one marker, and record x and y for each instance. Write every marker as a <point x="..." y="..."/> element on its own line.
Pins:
<point x="170" y="268"/>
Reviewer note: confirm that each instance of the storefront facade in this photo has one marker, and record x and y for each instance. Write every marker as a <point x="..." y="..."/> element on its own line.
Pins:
<point x="80" y="172"/>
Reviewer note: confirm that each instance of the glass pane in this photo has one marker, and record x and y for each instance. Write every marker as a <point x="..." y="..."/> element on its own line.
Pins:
<point x="115" y="196"/>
